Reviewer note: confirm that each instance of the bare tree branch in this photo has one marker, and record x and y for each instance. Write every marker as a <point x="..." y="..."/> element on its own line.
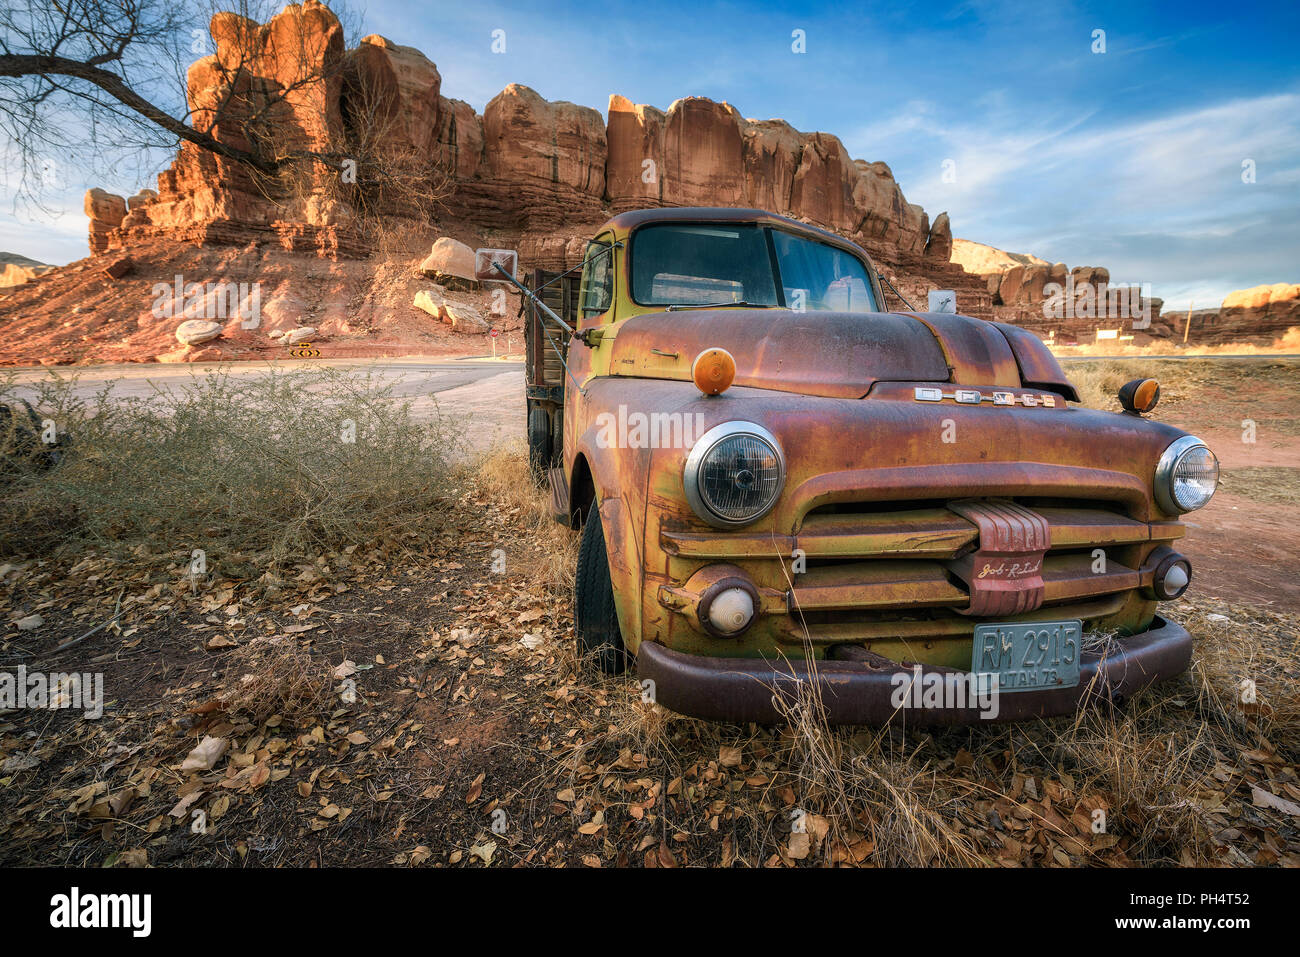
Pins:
<point x="12" y="65"/>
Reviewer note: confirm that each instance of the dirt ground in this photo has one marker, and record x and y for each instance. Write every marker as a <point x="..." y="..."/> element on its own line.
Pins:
<point x="423" y="706"/>
<point x="1245" y="545"/>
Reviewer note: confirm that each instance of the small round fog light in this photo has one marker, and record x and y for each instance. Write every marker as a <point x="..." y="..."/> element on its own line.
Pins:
<point x="1172" y="577"/>
<point x="731" y="611"/>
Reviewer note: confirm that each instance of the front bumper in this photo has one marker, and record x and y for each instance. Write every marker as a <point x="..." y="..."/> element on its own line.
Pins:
<point x="855" y="692"/>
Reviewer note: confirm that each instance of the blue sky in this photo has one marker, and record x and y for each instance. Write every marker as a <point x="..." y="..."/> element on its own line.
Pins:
<point x="1131" y="158"/>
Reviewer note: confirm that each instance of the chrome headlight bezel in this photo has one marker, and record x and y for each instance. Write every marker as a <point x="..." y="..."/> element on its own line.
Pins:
<point x="1164" y="477"/>
<point x="699" y="454"/>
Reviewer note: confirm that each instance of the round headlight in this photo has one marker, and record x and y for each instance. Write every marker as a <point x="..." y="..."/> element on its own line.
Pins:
<point x="734" y="474"/>
<point x="1186" y="476"/>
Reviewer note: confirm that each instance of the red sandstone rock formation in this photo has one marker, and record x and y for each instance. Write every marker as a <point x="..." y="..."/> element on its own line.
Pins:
<point x="635" y="155"/>
<point x="1259" y="315"/>
<point x="773" y="150"/>
<point x="106" y="211"/>
<point x="528" y="165"/>
<point x="395" y="93"/>
<point x="544" y="161"/>
<point x="286" y="75"/>
<point x="704" y="162"/>
<point x="459" y="148"/>
<point x="1056" y="301"/>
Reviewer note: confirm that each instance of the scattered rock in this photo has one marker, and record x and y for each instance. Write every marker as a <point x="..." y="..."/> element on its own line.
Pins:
<point x="449" y="257"/>
<point x="295" y="336"/>
<point x="29" y="622"/>
<point x="192" y="332"/>
<point x="430" y="301"/>
<point x="119" y="268"/>
<point x="465" y="318"/>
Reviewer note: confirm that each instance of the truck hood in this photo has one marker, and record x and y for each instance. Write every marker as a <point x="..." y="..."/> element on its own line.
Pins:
<point x="838" y="355"/>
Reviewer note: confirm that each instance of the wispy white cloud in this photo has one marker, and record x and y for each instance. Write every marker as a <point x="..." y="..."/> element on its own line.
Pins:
<point x="1081" y="189"/>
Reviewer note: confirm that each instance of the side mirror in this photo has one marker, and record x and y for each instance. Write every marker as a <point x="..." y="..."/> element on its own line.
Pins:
<point x="486" y="261"/>
<point x="943" y="300"/>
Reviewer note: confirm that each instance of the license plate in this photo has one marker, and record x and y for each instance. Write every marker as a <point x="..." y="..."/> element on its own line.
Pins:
<point x="1029" y="656"/>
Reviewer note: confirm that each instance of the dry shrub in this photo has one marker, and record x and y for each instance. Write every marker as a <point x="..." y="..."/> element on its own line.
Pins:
<point x="1153" y="769"/>
<point x="261" y="463"/>
<point x="275" y="676"/>
<point x="868" y="785"/>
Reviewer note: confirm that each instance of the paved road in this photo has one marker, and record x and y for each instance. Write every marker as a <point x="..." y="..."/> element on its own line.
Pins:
<point x="486" y="397"/>
<point x="1253" y="355"/>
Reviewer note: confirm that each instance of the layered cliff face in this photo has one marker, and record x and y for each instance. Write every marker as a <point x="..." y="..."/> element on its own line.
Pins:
<point x="1257" y="315"/>
<point x="543" y="172"/>
<point x="1058" y="302"/>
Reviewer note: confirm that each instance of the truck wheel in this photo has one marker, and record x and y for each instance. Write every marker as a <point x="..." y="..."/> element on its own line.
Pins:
<point x="594" y="616"/>
<point x="539" y="444"/>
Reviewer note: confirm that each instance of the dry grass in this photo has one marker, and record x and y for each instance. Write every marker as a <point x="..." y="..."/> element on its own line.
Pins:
<point x="1157" y="774"/>
<point x="1288" y="342"/>
<point x="1267" y="484"/>
<point x="548" y="550"/>
<point x="1219" y="390"/>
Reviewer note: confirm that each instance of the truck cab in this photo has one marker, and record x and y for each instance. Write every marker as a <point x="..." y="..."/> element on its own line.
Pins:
<point x="781" y="485"/>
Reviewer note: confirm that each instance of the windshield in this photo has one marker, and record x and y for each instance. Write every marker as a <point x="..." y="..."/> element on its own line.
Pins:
<point x="703" y="265"/>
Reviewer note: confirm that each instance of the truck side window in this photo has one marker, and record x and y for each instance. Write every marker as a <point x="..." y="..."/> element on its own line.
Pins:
<point x="597" y="289"/>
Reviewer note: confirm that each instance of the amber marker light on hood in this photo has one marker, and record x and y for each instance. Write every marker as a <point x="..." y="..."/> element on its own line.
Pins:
<point x="713" y="371"/>
<point x="1140" y="395"/>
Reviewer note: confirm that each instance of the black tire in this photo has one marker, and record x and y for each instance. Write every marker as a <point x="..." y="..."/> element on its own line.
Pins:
<point x="595" y="618"/>
<point x="539" y="444"/>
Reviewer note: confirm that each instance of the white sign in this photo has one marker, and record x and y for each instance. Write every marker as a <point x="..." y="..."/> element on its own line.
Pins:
<point x="943" y="300"/>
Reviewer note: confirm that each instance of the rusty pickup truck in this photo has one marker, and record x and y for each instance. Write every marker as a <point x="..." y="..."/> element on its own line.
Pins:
<point x="785" y="488"/>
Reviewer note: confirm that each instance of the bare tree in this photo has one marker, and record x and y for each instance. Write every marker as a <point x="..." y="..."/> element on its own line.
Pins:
<point x="89" y="81"/>
<point x="394" y="181"/>
<point x="99" y="83"/>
